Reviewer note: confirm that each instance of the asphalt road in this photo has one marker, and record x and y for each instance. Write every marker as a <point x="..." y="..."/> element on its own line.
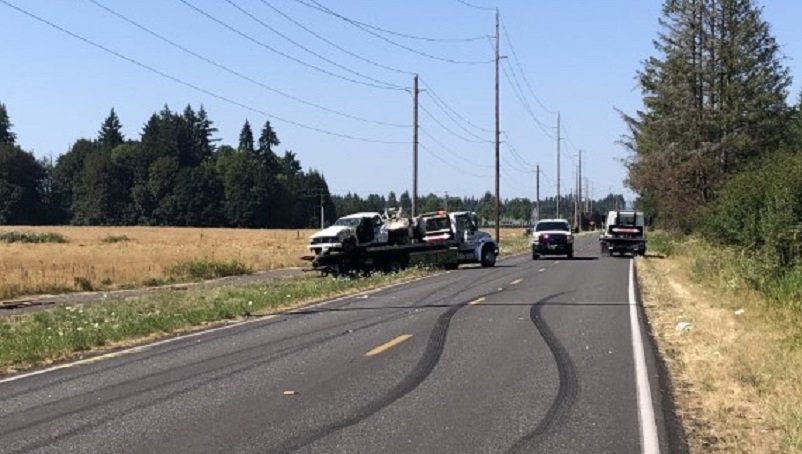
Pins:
<point x="530" y="356"/>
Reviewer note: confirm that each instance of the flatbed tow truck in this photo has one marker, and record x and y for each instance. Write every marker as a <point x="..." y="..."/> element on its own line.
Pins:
<point x="446" y="241"/>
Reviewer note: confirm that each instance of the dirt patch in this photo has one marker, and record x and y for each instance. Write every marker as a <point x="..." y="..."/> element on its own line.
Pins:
<point x="736" y="379"/>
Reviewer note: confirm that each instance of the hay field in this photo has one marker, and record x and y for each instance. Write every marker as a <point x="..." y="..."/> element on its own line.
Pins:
<point x="87" y="262"/>
<point x="144" y="258"/>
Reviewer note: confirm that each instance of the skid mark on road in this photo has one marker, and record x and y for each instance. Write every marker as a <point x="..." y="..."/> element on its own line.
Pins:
<point x="424" y="367"/>
<point x="567" y="392"/>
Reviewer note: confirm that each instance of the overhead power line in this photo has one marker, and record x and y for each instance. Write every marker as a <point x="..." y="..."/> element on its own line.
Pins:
<point x="456" y="122"/>
<point x="451" y="131"/>
<point x="523" y="73"/>
<point x="326" y="10"/>
<point x="482" y="8"/>
<point x="307" y="50"/>
<point x="438" y="99"/>
<point x="240" y="75"/>
<point x="285" y="55"/>
<point x="452" y="152"/>
<point x="450" y="164"/>
<point x="335" y="45"/>
<point x="317" y="6"/>
<point x="189" y="84"/>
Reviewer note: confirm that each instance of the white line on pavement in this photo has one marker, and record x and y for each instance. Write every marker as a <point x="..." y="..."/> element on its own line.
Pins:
<point x="648" y="426"/>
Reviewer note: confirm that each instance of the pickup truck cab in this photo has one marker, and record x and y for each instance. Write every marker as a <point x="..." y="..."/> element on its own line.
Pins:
<point x="552" y="237"/>
<point x="348" y="232"/>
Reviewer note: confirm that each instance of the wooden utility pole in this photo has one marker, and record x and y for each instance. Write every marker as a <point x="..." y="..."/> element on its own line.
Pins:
<point x="537" y="190"/>
<point x="498" y="139"/>
<point x="558" y="166"/>
<point x="415" y="146"/>
<point x="579" y="192"/>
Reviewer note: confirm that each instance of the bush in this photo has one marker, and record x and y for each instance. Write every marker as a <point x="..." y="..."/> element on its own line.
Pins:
<point x="116" y="239"/>
<point x="204" y="268"/>
<point x="29" y="237"/>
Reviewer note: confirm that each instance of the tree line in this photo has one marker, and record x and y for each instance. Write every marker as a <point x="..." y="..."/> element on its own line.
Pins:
<point x="717" y="148"/>
<point x="177" y="174"/>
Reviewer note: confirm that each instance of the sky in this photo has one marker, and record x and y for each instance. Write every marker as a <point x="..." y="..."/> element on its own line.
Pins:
<point x="335" y="80"/>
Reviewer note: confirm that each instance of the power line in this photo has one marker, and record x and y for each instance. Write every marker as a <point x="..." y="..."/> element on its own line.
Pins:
<point x="316" y="5"/>
<point x="240" y="75"/>
<point x="326" y="10"/>
<point x="455" y="134"/>
<point x="306" y="49"/>
<point x="523" y="74"/>
<point x="525" y="104"/>
<point x="287" y="56"/>
<point x="459" y="125"/>
<point x="452" y="152"/>
<point x="437" y="98"/>
<point x="190" y="85"/>
<point x="476" y="7"/>
<point x="335" y="45"/>
<point x="446" y="162"/>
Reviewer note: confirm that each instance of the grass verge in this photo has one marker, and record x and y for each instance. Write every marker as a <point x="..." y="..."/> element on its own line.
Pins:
<point x="733" y="354"/>
<point x="63" y="333"/>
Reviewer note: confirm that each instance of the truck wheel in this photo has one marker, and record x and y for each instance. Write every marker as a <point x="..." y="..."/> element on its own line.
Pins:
<point x="570" y="253"/>
<point x="535" y="256"/>
<point x="488" y="257"/>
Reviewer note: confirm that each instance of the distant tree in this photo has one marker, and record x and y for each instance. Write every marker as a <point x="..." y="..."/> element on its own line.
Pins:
<point x="67" y="174"/>
<point x="21" y="179"/>
<point x="246" y="138"/>
<point x="6" y="136"/>
<point x="110" y="134"/>
<point x="267" y="140"/>
<point x="406" y="201"/>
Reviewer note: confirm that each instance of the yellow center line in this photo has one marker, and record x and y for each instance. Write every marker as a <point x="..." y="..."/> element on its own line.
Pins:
<point x="541" y="270"/>
<point x="557" y="262"/>
<point x="516" y="282"/>
<point x="476" y="301"/>
<point x="386" y="346"/>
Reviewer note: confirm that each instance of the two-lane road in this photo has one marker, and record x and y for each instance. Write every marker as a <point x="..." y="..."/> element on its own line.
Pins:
<point x="530" y="356"/>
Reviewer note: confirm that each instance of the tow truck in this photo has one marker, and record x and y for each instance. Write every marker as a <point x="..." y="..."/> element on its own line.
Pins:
<point x="625" y="232"/>
<point x="440" y="239"/>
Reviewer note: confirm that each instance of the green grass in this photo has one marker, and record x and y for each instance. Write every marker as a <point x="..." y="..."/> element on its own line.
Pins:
<point x="205" y="268"/>
<point x="34" y="339"/>
<point x="111" y="239"/>
<point x="29" y="237"/>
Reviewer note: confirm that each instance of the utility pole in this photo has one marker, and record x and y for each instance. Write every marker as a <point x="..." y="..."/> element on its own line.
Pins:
<point x="498" y="139"/>
<point x="579" y="191"/>
<point x="415" y="146"/>
<point x="537" y="190"/>
<point x="446" y="202"/>
<point x="558" y="166"/>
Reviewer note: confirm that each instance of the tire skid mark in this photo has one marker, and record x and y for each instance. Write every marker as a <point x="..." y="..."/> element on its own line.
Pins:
<point x="424" y="367"/>
<point x="568" y="389"/>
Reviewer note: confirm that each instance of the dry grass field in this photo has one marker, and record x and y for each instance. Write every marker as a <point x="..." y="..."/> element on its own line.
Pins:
<point x="110" y="258"/>
<point x="124" y="257"/>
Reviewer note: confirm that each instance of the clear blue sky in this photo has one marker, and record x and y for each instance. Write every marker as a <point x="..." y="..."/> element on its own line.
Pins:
<point x="578" y="57"/>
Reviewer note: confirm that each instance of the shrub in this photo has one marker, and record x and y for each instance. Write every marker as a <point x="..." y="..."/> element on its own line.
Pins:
<point x="30" y="237"/>
<point x="205" y="268"/>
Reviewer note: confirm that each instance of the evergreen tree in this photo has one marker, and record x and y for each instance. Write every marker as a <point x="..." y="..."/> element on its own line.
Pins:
<point x="110" y="134"/>
<point x="246" y="138"/>
<point x="267" y="140"/>
<point x="21" y="179"/>
<point x="715" y="102"/>
<point x="6" y="136"/>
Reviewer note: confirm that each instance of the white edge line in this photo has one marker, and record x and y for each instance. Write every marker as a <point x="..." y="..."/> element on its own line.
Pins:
<point x="648" y="426"/>
<point x="143" y="347"/>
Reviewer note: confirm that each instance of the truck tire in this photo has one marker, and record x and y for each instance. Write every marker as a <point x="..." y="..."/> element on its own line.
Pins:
<point x="570" y="253"/>
<point x="488" y="258"/>
<point x="535" y="255"/>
